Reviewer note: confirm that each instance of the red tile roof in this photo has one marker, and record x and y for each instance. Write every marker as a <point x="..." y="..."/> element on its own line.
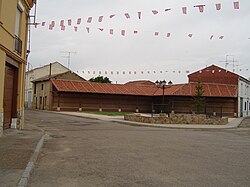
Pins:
<point x="140" y="83"/>
<point x="104" y="88"/>
<point x="189" y="89"/>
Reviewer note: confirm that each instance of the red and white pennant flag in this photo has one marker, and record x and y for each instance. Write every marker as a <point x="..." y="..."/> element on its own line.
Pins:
<point x="75" y="28"/>
<point x="155" y="12"/>
<point x="63" y="28"/>
<point x="184" y="10"/>
<point x="111" y="31"/>
<point x="201" y="7"/>
<point x="79" y="21"/>
<point x="123" y="32"/>
<point x="87" y="28"/>
<point x="69" y="22"/>
<point x="127" y="15"/>
<point x="89" y="19"/>
<point x="61" y="22"/>
<point x="139" y="15"/>
<point x="100" y="18"/>
<point x="218" y="6"/>
<point x="236" y="5"/>
<point x="111" y="16"/>
<point x="53" y="24"/>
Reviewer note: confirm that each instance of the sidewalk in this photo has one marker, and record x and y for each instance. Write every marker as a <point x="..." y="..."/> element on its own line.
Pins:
<point x="16" y="153"/>
<point x="233" y="122"/>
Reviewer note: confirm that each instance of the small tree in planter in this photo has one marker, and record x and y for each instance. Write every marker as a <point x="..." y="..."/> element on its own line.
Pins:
<point x="198" y="99"/>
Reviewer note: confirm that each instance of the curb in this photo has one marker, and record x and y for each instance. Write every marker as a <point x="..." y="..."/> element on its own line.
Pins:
<point x="182" y="126"/>
<point x="23" y="182"/>
<point x="230" y="125"/>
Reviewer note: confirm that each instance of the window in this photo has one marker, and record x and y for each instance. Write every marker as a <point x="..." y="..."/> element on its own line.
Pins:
<point x="245" y="106"/>
<point x="18" y="20"/>
<point x="17" y="40"/>
<point x="34" y="88"/>
<point x="241" y="89"/>
<point x="42" y="87"/>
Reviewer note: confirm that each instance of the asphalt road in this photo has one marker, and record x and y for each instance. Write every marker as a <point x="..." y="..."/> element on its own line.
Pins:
<point x="86" y="152"/>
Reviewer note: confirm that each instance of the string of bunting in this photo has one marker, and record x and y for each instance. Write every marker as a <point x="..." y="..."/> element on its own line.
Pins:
<point x="123" y="32"/>
<point x="184" y="10"/>
<point x="117" y="72"/>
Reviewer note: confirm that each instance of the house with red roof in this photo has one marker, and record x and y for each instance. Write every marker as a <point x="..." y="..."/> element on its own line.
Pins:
<point x="217" y="75"/>
<point x="220" y="90"/>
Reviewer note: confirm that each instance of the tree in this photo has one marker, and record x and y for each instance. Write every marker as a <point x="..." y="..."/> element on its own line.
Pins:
<point x="198" y="99"/>
<point x="100" y="79"/>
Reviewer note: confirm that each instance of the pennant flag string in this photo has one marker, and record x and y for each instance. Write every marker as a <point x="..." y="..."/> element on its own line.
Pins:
<point x="123" y="31"/>
<point x="236" y="5"/>
<point x="142" y="72"/>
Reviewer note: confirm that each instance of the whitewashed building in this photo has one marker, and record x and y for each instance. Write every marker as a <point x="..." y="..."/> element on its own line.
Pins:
<point x="53" y="68"/>
<point x="243" y="97"/>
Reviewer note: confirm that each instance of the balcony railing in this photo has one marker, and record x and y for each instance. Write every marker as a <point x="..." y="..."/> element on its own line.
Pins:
<point x="18" y="45"/>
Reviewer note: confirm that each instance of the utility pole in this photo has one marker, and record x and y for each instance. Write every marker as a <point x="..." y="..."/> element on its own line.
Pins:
<point x="68" y="56"/>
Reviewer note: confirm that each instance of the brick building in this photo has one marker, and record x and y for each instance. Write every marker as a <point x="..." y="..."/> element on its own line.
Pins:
<point x="42" y="88"/>
<point x="221" y="95"/>
<point x="214" y="74"/>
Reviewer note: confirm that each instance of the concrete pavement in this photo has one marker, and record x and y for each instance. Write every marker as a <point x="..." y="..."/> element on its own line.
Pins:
<point x="233" y="122"/>
<point x="19" y="149"/>
<point x="18" y="153"/>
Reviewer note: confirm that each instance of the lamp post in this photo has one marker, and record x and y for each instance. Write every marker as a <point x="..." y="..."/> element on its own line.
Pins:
<point x="161" y="84"/>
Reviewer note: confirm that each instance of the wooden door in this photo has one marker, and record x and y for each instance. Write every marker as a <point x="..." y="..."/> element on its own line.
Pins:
<point x="10" y="89"/>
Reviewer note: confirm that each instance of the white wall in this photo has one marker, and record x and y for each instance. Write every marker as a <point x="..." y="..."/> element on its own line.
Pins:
<point x="243" y="98"/>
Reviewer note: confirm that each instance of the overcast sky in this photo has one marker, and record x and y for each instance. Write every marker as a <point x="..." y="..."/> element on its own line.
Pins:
<point x="99" y="51"/>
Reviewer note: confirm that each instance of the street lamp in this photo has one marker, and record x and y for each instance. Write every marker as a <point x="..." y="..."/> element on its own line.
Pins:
<point x="161" y="84"/>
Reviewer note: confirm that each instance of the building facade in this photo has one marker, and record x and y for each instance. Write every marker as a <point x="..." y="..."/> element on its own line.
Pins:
<point x="243" y="97"/>
<point x="215" y="74"/>
<point x="31" y="75"/>
<point x="42" y="89"/>
<point x="220" y="99"/>
<point x="14" y="20"/>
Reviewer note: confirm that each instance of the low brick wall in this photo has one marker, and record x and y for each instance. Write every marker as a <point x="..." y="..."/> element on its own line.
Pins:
<point x="177" y="119"/>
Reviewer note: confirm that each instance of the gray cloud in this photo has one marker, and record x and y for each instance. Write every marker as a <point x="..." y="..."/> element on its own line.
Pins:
<point x="98" y="51"/>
